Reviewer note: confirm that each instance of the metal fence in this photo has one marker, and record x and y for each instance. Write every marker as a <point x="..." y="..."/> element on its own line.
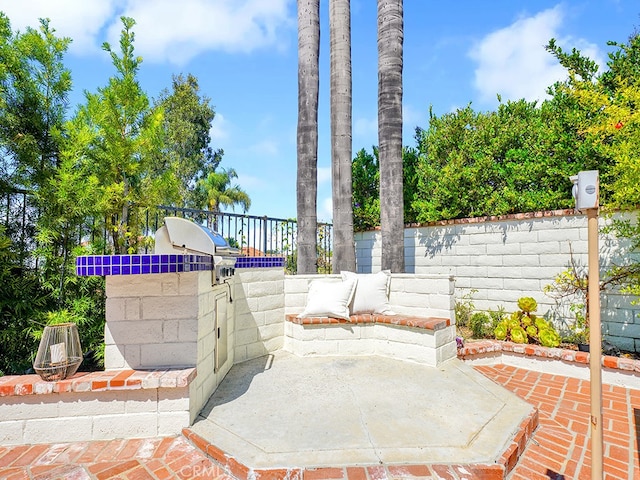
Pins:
<point x="19" y="216"/>
<point x="253" y="235"/>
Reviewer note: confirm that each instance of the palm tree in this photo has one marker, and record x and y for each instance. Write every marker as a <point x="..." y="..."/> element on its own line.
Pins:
<point x="390" y="40"/>
<point x="344" y="257"/>
<point x="216" y="188"/>
<point x="307" y="140"/>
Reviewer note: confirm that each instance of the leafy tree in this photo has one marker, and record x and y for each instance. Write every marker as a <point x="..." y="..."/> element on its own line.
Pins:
<point x="21" y="298"/>
<point x="519" y="157"/>
<point x="366" y="190"/>
<point x="613" y="127"/>
<point x="366" y="187"/>
<point x="516" y="159"/>
<point x="121" y="146"/>
<point x="34" y="85"/>
<point x="218" y="191"/>
<point x="71" y="197"/>
<point x="410" y="175"/>
<point x="115" y="158"/>
<point x="187" y="147"/>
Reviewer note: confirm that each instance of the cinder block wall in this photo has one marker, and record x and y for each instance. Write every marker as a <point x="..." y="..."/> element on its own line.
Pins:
<point x="505" y="258"/>
<point x="86" y="416"/>
<point x="259" y="312"/>
<point x="210" y="317"/>
<point x="168" y="320"/>
<point x="152" y="320"/>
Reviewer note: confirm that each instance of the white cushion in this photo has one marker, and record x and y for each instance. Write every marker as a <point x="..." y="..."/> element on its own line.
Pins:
<point x="372" y="293"/>
<point x="329" y="299"/>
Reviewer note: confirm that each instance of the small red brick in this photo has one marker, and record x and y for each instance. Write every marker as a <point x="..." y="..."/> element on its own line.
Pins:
<point x="323" y="473"/>
<point x="610" y="362"/>
<point x="356" y="473"/>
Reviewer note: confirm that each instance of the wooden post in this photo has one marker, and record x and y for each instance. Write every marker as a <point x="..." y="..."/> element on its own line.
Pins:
<point x="595" y="341"/>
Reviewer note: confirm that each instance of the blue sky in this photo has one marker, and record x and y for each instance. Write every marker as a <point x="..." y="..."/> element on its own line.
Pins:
<point x="244" y="55"/>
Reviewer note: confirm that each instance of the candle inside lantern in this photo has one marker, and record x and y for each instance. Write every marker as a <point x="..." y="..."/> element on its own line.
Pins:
<point x="58" y="353"/>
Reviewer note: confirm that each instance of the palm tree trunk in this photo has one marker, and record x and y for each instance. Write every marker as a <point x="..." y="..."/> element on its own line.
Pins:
<point x="307" y="140"/>
<point x="390" y="41"/>
<point x="344" y="257"/>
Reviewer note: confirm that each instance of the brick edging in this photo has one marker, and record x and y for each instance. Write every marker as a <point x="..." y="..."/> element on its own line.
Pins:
<point x="490" y="471"/>
<point x="563" y="212"/>
<point x="82" y="382"/>
<point x="473" y="349"/>
<point x="426" y="323"/>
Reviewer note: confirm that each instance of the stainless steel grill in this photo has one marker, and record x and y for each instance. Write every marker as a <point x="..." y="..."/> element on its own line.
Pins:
<point x="182" y="236"/>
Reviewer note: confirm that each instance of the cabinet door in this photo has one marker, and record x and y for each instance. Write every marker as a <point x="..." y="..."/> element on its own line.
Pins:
<point x="221" y="330"/>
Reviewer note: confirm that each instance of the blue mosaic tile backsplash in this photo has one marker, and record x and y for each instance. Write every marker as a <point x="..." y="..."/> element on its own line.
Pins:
<point x="143" y="264"/>
<point x="259" y="262"/>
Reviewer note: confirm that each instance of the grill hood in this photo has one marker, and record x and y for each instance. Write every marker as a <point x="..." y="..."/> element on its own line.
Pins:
<point x="179" y="235"/>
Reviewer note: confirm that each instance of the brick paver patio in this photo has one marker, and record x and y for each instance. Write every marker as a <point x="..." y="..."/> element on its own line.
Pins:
<point x="559" y="448"/>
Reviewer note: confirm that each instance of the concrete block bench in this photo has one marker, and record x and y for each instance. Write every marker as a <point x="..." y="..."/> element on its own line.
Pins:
<point x="427" y="340"/>
<point x="421" y="330"/>
<point x="94" y="406"/>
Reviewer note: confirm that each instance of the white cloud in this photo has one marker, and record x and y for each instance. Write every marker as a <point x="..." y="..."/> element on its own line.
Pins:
<point x="165" y="30"/>
<point x="265" y="148"/>
<point x="324" y="175"/>
<point x="172" y="31"/>
<point x="248" y="182"/>
<point x="81" y="20"/>
<point x="325" y="212"/>
<point x="219" y="128"/>
<point x="412" y="118"/>
<point x="513" y="62"/>
<point x="366" y="126"/>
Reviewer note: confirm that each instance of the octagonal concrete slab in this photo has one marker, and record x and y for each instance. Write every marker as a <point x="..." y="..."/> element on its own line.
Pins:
<point x="283" y="411"/>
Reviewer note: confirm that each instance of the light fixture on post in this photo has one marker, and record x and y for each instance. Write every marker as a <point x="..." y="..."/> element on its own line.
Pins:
<point x="59" y="354"/>
<point x="586" y="194"/>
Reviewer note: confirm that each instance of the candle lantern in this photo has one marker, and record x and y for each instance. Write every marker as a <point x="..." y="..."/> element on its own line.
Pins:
<point x="59" y="354"/>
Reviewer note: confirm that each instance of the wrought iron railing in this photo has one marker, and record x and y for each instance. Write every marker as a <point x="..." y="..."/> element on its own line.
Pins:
<point x="19" y="215"/>
<point x="253" y="235"/>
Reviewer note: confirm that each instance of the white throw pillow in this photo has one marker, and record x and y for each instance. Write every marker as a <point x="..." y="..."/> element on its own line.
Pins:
<point x="372" y="293"/>
<point x="329" y="299"/>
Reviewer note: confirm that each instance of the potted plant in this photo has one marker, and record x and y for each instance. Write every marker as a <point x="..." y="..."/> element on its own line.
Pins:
<point x="579" y="330"/>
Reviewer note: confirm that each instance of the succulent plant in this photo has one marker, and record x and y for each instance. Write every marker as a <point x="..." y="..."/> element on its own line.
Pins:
<point x="540" y="323"/>
<point x="524" y="327"/>
<point x="518" y="335"/>
<point x="501" y="331"/>
<point x="549" y="337"/>
<point x="527" y="304"/>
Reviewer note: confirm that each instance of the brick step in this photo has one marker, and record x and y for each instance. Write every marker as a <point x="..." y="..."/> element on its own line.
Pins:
<point x="489" y="471"/>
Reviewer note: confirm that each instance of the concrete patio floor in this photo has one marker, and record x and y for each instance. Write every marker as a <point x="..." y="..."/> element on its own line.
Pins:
<point x="559" y="448"/>
<point x="285" y="412"/>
